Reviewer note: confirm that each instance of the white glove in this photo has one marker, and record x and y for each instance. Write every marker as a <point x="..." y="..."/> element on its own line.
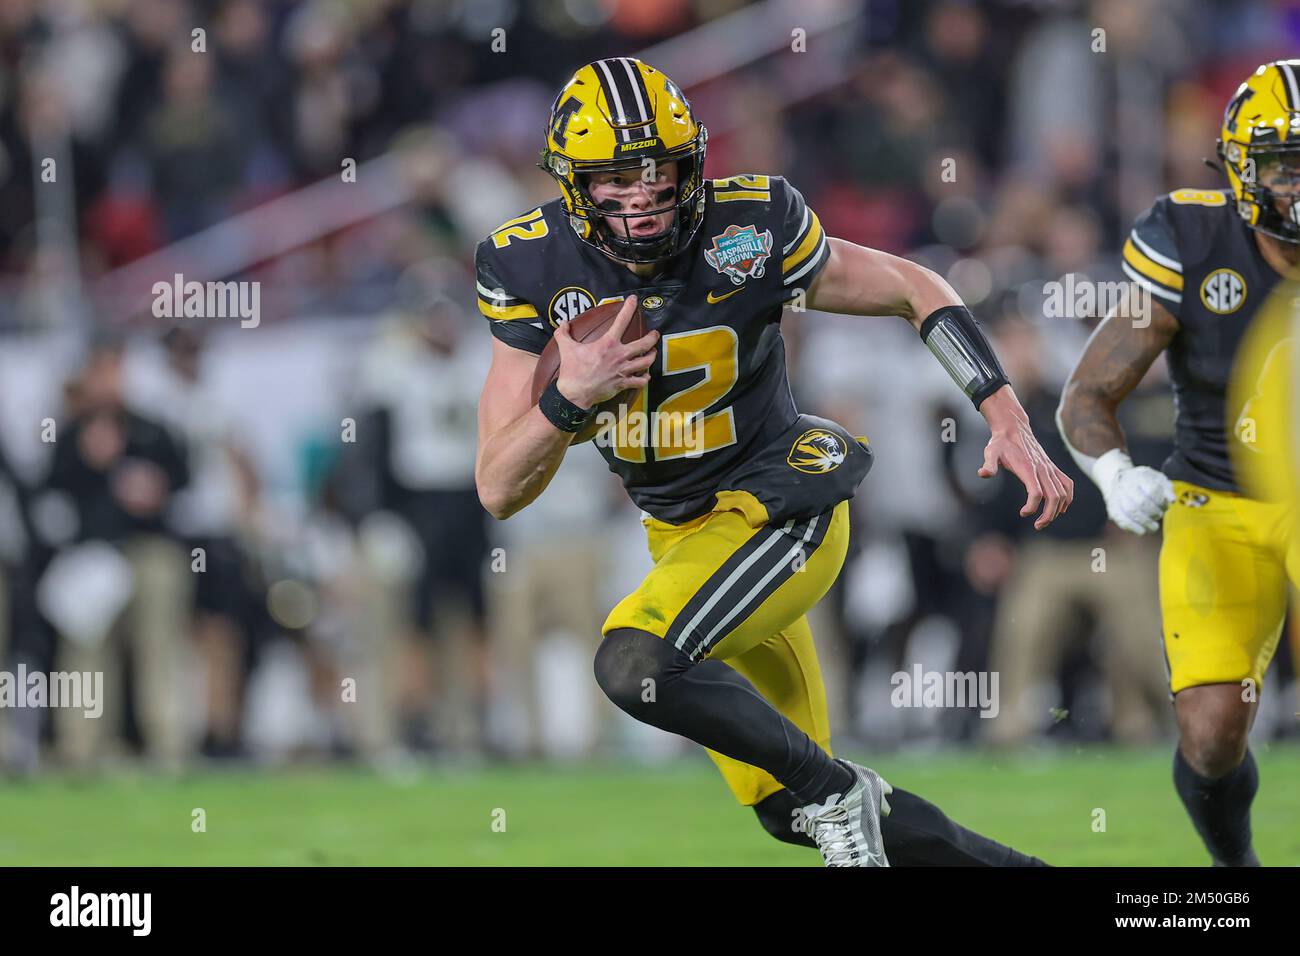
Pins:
<point x="1136" y="496"/>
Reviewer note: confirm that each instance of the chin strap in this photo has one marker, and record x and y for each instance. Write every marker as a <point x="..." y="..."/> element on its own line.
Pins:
<point x="628" y="244"/>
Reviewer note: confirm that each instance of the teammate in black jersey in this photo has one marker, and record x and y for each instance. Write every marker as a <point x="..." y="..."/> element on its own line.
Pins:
<point x="1208" y="261"/>
<point x="746" y="510"/>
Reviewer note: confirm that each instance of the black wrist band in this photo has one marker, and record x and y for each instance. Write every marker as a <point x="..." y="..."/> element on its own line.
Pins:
<point x="954" y="336"/>
<point x="561" y="412"/>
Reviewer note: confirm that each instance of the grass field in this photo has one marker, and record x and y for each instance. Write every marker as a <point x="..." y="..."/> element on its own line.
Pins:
<point x="606" y="816"/>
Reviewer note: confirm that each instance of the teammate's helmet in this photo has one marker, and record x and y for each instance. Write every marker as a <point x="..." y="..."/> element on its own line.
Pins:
<point x="1261" y="128"/>
<point x="619" y="114"/>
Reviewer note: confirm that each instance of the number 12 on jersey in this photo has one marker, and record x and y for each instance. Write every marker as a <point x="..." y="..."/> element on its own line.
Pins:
<point x="678" y="428"/>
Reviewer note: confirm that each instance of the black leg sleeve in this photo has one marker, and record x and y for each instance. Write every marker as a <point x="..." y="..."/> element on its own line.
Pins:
<point x="782" y="816"/>
<point x="713" y="705"/>
<point x="1220" y="809"/>
<point x="916" y="832"/>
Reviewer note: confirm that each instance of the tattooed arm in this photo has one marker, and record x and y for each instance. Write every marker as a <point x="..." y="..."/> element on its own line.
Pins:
<point x="1115" y="359"/>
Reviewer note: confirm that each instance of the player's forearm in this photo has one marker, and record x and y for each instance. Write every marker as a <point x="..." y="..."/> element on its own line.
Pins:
<point x="1136" y="496"/>
<point x="1089" y="424"/>
<point x="1117" y="355"/>
<point x="1003" y="411"/>
<point x="1088" y="420"/>
<point x="517" y="463"/>
<point x="926" y="293"/>
<point x="862" y="281"/>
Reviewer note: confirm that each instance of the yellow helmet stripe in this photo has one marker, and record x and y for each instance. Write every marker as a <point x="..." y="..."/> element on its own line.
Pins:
<point x="810" y="240"/>
<point x="1150" y="268"/>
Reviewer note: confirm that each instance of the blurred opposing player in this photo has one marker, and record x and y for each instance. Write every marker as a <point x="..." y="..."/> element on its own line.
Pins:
<point x="1208" y="260"/>
<point x="748" y="521"/>
<point x="1266" y="446"/>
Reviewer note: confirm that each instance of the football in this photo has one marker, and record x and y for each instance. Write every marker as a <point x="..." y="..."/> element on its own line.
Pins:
<point x="591" y="324"/>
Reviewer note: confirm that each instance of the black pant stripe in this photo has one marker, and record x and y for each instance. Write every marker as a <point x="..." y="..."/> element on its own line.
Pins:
<point x="788" y="567"/>
<point x="716" y="581"/>
<point x="770" y="550"/>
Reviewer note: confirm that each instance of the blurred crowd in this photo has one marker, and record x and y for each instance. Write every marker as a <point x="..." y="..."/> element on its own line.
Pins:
<point x="268" y="539"/>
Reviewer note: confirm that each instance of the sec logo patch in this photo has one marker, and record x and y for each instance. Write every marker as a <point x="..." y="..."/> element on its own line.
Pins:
<point x="1223" y="291"/>
<point x="569" y="303"/>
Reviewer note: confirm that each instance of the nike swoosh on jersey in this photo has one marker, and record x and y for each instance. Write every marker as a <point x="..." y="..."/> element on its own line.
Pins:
<point x="712" y="299"/>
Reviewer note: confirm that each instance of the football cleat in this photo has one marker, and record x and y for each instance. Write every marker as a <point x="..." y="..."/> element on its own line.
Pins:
<point x="846" y="828"/>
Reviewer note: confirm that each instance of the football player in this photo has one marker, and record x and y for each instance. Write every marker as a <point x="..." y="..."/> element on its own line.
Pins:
<point x="1207" y="261"/>
<point x="747" y="515"/>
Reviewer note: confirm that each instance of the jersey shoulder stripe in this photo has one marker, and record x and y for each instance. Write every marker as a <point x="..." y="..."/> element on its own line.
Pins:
<point x="502" y="265"/>
<point x="808" y="249"/>
<point x="495" y="301"/>
<point x="1150" y="256"/>
<point x="1173" y="237"/>
<point x="805" y="249"/>
<point x="796" y="230"/>
<point x="1151" y="273"/>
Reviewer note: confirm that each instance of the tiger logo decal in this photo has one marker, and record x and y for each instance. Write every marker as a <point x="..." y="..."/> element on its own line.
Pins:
<point x="817" y="451"/>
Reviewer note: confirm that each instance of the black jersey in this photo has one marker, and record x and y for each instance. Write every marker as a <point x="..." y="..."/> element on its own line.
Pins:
<point x="1199" y="260"/>
<point x="718" y="412"/>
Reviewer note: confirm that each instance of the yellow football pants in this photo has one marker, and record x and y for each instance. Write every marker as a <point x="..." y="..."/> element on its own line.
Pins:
<point x="1224" y="566"/>
<point x="730" y="586"/>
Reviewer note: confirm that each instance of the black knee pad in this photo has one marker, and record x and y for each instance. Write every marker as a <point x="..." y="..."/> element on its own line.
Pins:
<point x="632" y="667"/>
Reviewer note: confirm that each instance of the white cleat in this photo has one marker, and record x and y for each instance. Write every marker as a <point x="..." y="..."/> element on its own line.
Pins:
<point x="846" y="828"/>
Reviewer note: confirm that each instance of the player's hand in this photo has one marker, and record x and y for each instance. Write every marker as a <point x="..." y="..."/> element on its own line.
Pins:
<point x="1014" y="447"/>
<point x="1136" y="496"/>
<point x="594" y="372"/>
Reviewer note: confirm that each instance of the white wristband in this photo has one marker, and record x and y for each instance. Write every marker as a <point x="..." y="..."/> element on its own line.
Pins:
<point x="1108" y="466"/>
